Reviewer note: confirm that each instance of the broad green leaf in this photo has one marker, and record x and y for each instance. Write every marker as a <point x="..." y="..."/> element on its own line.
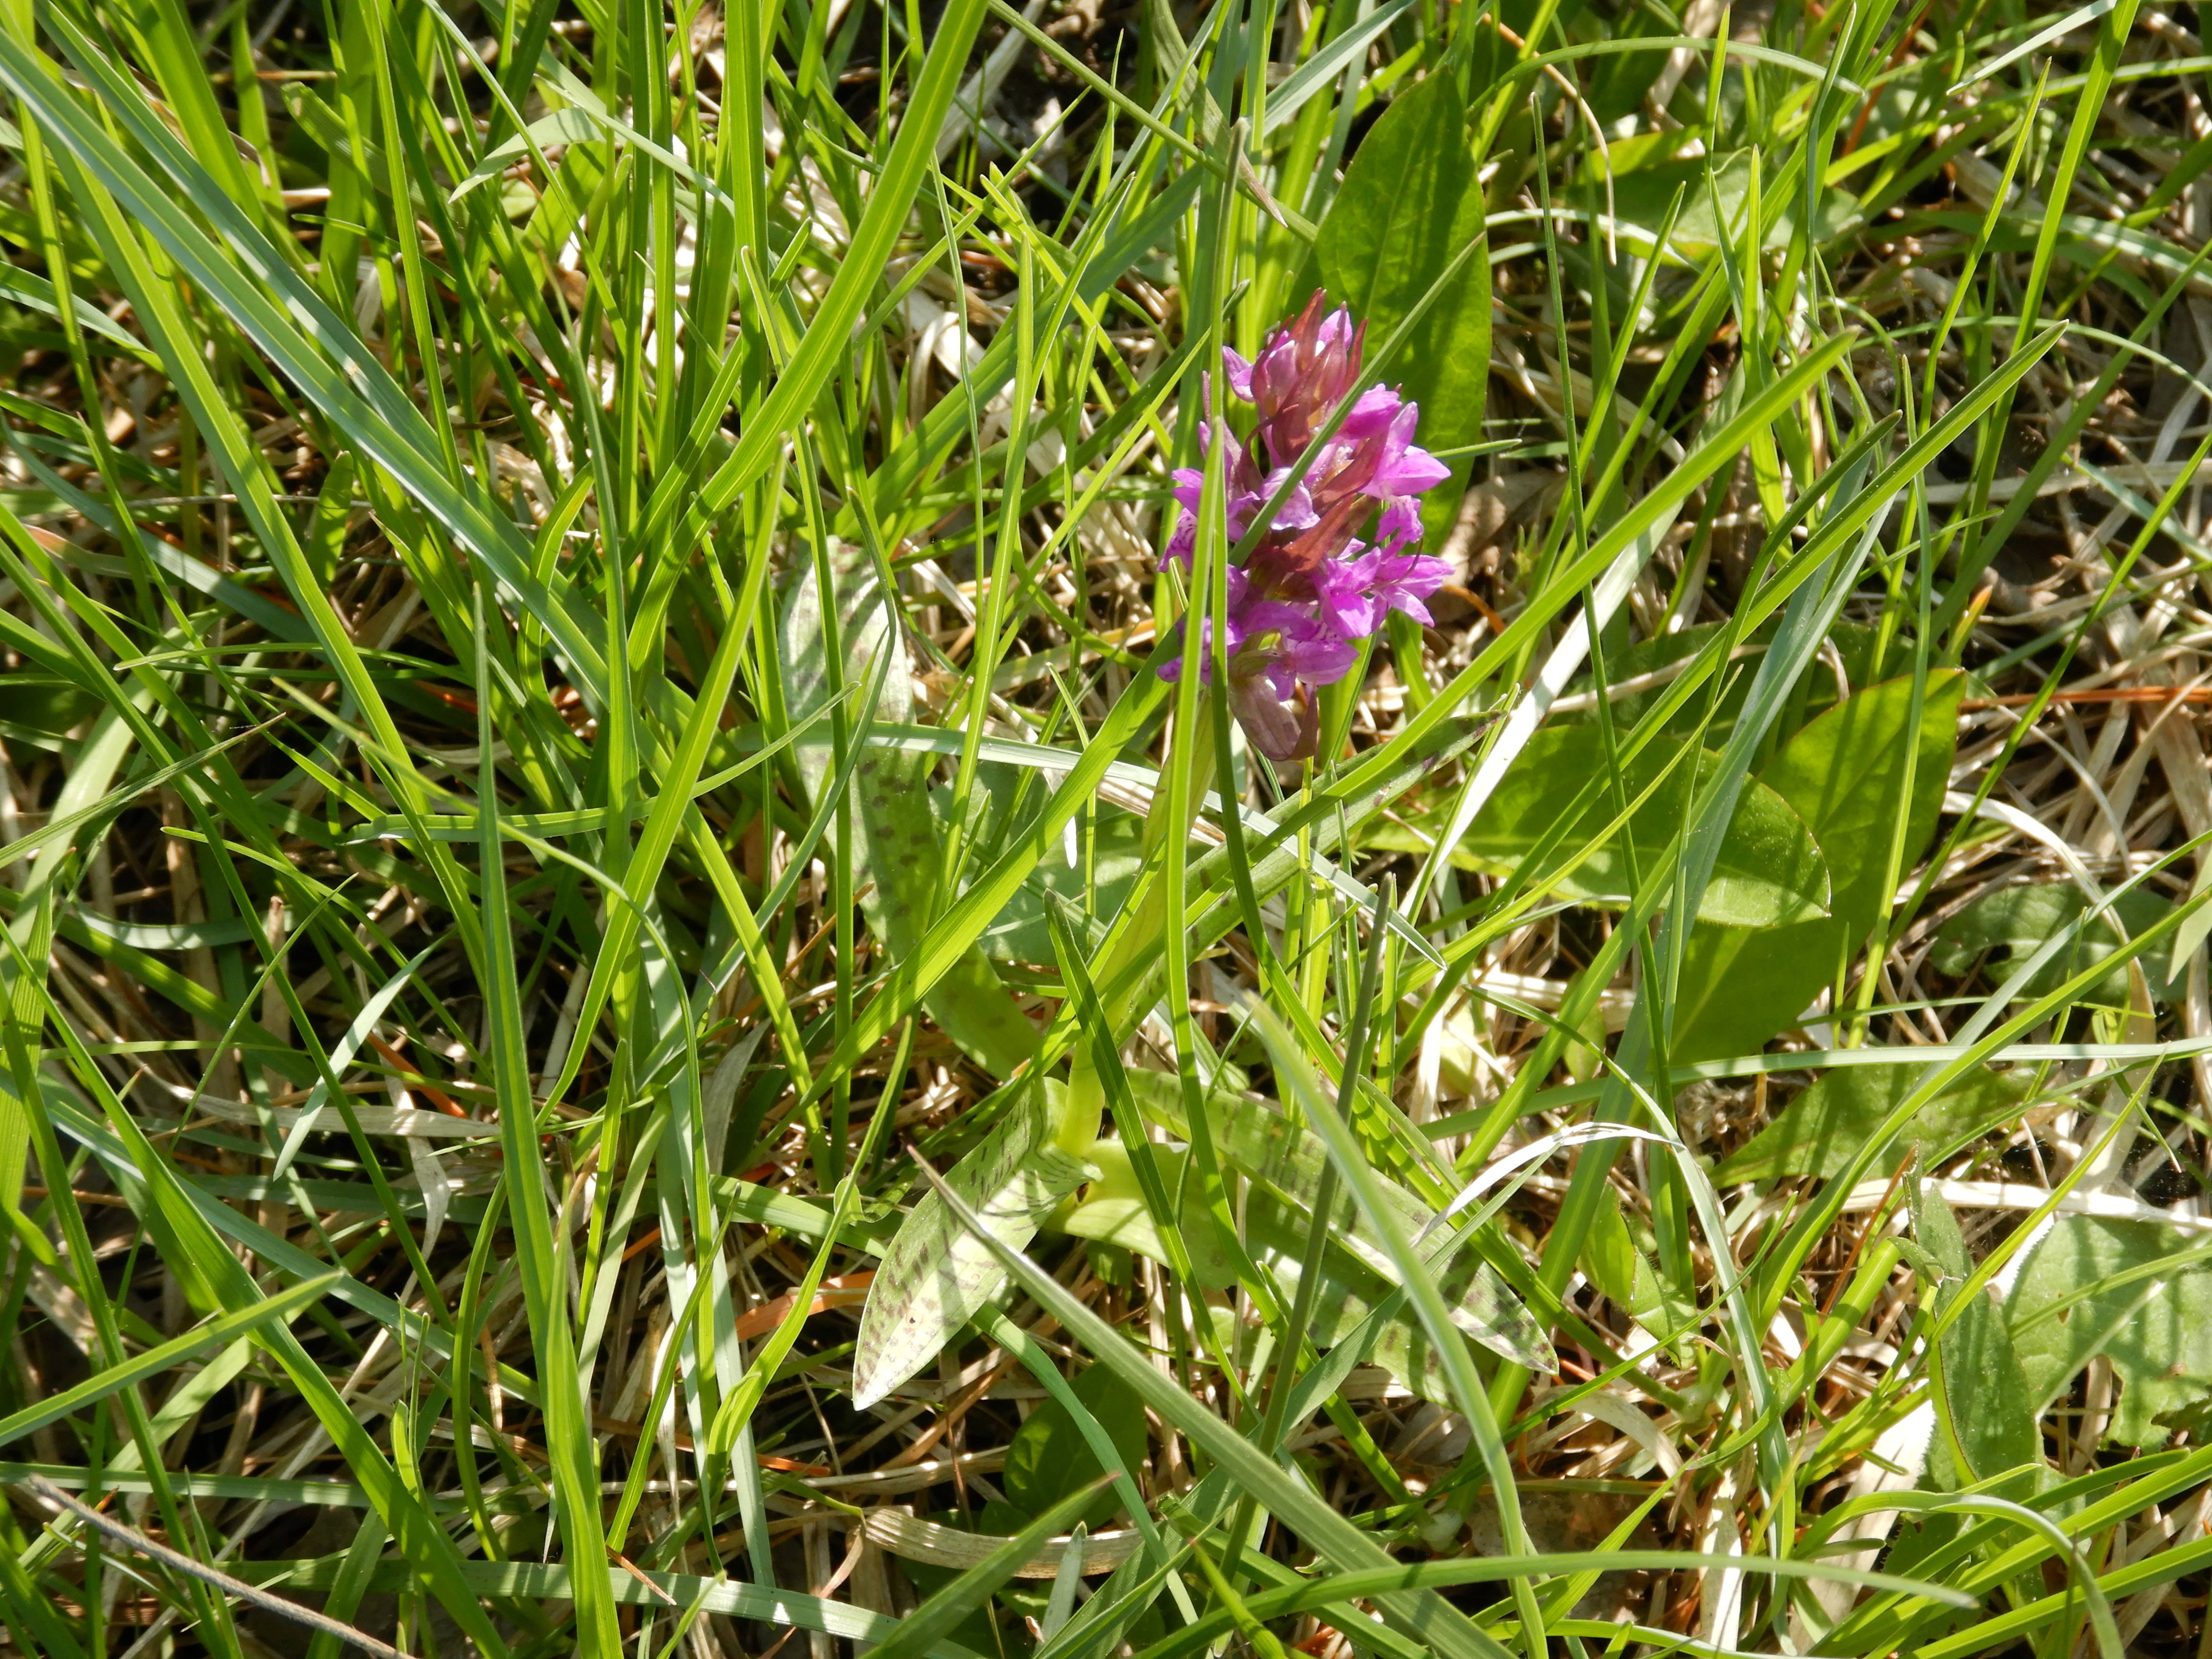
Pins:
<point x="1409" y="205"/>
<point x="936" y="1272"/>
<point x="1113" y="1210"/>
<point x="1714" y="190"/>
<point x="1048" y="1458"/>
<point x="1618" y="1259"/>
<point x="896" y="850"/>
<point x="1981" y="1390"/>
<point x="1609" y="1255"/>
<point x="2015" y="922"/>
<point x="1769" y="871"/>
<point x="1844" y="775"/>
<point x="1703" y="712"/>
<point x="1820" y="1131"/>
<point x="2136" y="1292"/>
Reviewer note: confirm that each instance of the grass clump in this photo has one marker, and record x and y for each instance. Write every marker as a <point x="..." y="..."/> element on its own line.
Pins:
<point x="656" y="1000"/>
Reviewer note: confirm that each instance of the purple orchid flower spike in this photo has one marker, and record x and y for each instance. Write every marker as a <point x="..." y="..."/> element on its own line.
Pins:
<point x="1310" y="590"/>
<point x="1248" y="493"/>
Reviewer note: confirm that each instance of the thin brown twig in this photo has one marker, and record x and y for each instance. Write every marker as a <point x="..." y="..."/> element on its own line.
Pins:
<point x="108" y="1199"/>
<point x="2146" y="694"/>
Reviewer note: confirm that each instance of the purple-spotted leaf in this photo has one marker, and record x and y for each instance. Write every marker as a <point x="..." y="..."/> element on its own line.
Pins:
<point x="937" y="1273"/>
<point x="897" y="851"/>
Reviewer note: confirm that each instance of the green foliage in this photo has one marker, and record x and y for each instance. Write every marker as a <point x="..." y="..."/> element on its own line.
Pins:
<point x="2136" y="1292"/>
<point x="1287" y="1164"/>
<point x="1989" y="1418"/>
<point x="1845" y="776"/>
<point x="1048" y="1460"/>
<point x="953" y="1605"/>
<point x="894" y="838"/>
<point x="1823" y="1129"/>
<point x="1115" y="1210"/>
<point x="1714" y="190"/>
<point x="937" y="1273"/>
<point x="1619" y="1258"/>
<point x="1097" y="882"/>
<point x="1769" y="873"/>
<point x="2013" y="923"/>
<point x="579" y="594"/>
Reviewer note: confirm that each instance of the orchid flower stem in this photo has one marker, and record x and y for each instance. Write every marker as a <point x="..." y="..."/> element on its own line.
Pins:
<point x="1127" y="975"/>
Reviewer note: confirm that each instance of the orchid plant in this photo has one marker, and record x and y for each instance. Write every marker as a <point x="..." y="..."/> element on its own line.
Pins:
<point x="1335" y="557"/>
<point x="1338" y="554"/>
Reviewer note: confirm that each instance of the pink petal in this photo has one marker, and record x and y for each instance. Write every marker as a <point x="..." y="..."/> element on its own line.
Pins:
<point x="1401" y="523"/>
<point x="1341" y="586"/>
<point x="1378" y="406"/>
<point x="1317" y="653"/>
<point x="1237" y="372"/>
<point x="1183" y="543"/>
<point x="1405" y="468"/>
<point x="1336" y="330"/>
<point x="1296" y="512"/>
